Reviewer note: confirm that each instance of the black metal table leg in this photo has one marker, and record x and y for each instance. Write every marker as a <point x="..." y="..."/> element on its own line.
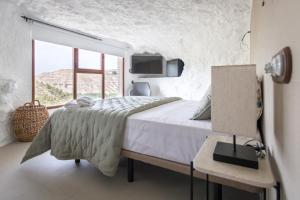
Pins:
<point x="217" y="191"/>
<point x="191" y="181"/>
<point x="207" y="187"/>
<point x="130" y="168"/>
<point x="263" y="194"/>
<point x="277" y="187"/>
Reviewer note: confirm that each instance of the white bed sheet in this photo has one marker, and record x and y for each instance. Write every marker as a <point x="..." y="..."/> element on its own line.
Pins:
<point x="167" y="132"/>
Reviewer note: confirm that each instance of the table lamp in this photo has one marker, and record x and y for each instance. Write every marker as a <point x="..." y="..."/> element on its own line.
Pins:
<point x="234" y="112"/>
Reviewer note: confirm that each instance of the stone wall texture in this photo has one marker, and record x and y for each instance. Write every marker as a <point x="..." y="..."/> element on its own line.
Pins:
<point x="200" y="32"/>
<point x="15" y="64"/>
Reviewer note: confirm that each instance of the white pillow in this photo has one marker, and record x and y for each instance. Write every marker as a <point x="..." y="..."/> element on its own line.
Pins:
<point x="204" y="110"/>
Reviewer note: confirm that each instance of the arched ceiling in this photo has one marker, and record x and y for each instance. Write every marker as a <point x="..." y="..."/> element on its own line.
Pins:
<point x="139" y="22"/>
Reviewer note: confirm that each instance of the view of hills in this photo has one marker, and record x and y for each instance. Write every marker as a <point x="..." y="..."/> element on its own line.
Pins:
<point x="56" y="88"/>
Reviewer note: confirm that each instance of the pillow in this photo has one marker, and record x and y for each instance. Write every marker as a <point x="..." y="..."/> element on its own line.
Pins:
<point x="204" y="110"/>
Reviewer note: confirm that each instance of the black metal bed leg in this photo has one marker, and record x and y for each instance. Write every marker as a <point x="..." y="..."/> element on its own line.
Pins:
<point x="130" y="168"/>
<point x="192" y="181"/>
<point x="77" y="161"/>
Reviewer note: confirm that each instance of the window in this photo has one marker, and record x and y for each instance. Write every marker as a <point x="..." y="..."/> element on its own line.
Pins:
<point x="62" y="73"/>
<point x="89" y="59"/>
<point x="89" y="85"/>
<point x="53" y="73"/>
<point x="113" y="75"/>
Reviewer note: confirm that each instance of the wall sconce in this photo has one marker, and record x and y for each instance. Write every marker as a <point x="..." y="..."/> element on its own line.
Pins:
<point x="280" y="66"/>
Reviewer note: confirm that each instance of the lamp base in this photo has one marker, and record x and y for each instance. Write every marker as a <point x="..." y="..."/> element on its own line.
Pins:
<point x="244" y="156"/>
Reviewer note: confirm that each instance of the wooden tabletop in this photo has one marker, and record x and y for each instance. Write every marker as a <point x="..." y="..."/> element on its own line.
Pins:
<point x="203" y="162"/>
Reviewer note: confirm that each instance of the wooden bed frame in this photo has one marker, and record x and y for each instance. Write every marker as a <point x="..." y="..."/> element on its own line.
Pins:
<point x="178" y="167"/>
<point x="183" y="169"/>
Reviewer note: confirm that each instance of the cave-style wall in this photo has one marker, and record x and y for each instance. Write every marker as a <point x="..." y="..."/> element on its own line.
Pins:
<point x="200" y="32"/>
<point x="15" y="66"/>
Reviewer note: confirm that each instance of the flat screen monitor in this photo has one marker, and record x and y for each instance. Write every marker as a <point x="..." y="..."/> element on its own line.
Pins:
<point x="144" y="64"/>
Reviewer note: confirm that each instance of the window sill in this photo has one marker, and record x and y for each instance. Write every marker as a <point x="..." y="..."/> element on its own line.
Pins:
<point x="54" y="107"/>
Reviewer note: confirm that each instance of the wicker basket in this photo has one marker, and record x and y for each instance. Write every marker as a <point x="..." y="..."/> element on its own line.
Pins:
<point x="28" y="120"/>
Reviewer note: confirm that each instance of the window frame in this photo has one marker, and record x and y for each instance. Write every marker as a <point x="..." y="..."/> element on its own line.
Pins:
<point x="78" y="70"/>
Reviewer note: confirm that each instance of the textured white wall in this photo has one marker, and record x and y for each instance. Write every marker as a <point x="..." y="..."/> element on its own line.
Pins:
<point x="15" y="57"/>
<point x="274" y="27"/>
<point x="201" y="32"/>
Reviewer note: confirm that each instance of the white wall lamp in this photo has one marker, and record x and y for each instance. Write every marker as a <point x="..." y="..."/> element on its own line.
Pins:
<point x="280" y="66"/>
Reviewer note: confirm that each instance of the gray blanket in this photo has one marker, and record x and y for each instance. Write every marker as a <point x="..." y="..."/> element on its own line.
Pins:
<point x="94" y="133"/>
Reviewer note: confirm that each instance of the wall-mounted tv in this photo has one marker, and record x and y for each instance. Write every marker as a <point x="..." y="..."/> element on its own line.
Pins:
<point x="146" y="64"/>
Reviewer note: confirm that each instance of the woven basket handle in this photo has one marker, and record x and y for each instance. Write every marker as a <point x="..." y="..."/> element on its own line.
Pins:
<point x="33" y="103"/>
<point x="39" y="104"/>
<point x="27" y="104"/>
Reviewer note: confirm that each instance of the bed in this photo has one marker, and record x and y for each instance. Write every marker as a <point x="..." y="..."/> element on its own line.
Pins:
<point x="162" y="135"/>
<point x="166" y="137"/>
<point x="167" y="132"/>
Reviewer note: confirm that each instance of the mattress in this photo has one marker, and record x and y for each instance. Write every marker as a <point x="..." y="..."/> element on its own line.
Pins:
<point x="167" y="132"/>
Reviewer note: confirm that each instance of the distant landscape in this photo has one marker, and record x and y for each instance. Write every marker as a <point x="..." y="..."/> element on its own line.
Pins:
<point x="56" y="88"/>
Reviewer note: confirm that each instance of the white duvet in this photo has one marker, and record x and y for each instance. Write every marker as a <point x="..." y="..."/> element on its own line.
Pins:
<point x="167" y="132"/>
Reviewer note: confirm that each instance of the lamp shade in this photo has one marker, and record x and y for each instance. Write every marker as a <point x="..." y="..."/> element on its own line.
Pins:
<point x="234" y="99"/>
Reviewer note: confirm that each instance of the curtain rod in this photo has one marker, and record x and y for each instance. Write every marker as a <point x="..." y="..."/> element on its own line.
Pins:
<point x="62" y="28"/>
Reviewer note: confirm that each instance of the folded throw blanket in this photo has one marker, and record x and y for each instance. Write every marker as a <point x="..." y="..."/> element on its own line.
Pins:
<point x="91" y="133"/>
<point x="85" y="102"/>
<point x="80" y="102"/>
<point x="71" y="104"/>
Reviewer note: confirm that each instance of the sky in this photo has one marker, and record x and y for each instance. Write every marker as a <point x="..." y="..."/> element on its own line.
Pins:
<point x="51" y="57"/>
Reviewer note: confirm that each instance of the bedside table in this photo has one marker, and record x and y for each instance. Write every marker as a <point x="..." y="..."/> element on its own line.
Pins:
<point x="219" y="173"/>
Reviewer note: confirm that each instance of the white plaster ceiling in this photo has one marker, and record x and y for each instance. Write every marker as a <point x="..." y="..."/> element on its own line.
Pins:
<point x="201" y="32"/>
<point x="139" y="22"/>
